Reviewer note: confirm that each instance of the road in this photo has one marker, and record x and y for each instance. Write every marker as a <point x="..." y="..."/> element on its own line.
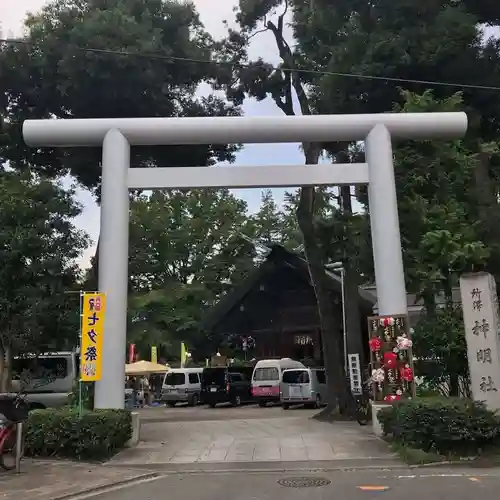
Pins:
<point x="415" y="484"/>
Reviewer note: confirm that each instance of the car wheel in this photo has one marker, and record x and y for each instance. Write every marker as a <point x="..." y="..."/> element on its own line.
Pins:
<point x="171" y="403"/>
<point x="285" y="406"/>
<point x="236" y="401"/>
<point x="212" y="405"/>
<point x="262" y="404"/>
<point x="317" y="403"/>
<point x="194" y="400"/>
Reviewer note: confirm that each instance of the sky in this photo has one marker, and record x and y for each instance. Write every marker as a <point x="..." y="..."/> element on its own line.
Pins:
<point x="212" y="14"/>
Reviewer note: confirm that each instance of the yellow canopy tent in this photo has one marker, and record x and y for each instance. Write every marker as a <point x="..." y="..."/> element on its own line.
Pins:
<point x="140" y="368"/>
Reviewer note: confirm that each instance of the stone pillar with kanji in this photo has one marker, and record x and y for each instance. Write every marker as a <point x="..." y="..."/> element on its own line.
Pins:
<point x="481" y="323"/>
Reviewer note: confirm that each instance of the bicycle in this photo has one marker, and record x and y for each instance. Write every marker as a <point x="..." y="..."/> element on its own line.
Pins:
<point x="363" y="404"/>
<point x="15" y="410"/>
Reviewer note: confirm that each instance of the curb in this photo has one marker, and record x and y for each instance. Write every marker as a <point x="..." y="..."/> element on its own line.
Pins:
<point x="285" y="470"/>
<point x="105" y="487"/>
<point x="169" y="469"/>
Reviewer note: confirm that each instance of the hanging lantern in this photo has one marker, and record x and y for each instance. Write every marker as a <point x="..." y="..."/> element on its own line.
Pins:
<point x="378" y="375"/>
<point x="403" y="342"/>
<point x="390" y="359"/>
<point x="375" y="344"/>
<point x="392" y="397"/>
<point x="407" y="374"/>
<point x="385" y="322"/>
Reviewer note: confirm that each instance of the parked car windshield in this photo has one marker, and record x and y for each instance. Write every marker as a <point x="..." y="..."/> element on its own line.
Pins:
<point x="49" y="368"/>
<point x="175" y="379"/>
<point x="215" y="376"/>
<point x="270" y="373"/>
<point x="296" y="377"/>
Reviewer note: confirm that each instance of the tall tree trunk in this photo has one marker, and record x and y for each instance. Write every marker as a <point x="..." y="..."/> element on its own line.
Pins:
<point x="339" y="395"/>
<point x="338" y="390"/>
<point x="351" y="292"/>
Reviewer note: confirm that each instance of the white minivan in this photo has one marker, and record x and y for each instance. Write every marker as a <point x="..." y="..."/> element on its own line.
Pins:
<point x="182" y="385"/>
<point x="47" y="379"/>
<point x="305" y="386"/>
<point x="266" y="378"/>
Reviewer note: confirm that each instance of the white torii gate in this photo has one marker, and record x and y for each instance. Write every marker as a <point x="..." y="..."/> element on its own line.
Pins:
<point x="117" y="135"/>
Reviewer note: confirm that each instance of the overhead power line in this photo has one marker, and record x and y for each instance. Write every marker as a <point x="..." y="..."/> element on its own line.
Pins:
<point x="165" y="57"/>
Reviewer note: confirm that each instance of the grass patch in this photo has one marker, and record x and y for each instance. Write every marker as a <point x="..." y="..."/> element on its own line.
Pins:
<point x="414" y="456"/>
<point x="489" y="457"/>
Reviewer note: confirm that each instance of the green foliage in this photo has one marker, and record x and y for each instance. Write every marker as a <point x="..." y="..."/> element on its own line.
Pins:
<point x="62" y="433"/>
<point x="438" y="41"/>
<point x="186" y="249"/>
<point x="53" y="76"/>
<point x="86" y="391"/>
<point x="437" y="208"/>
<point x="39" y="245"/>
<point x="414" y="456"/>
<point x="447" y="223"/>
<point x="440" y="349"/>
<point x="441" y="425"/>
<point x="269" y="221"/>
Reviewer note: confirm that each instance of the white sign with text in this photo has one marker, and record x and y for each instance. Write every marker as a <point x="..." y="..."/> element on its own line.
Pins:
<point x="355" y="374"/>
<point x="481" y="320"/>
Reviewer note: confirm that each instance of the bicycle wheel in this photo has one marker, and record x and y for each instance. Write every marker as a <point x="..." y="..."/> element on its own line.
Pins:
<point x="8" y="449"/>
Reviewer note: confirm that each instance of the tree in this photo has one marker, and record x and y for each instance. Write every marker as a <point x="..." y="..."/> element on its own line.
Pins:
<point x="441" y="352"/>
<point x="68" y="67"/>
<point x="438" y="212"/>
<point x="187" y="248"/>
<point x="268" y="220"/>
<point x="260" y="80"/>
<point x="387" y="45"/>
<point x="39" y="246"/>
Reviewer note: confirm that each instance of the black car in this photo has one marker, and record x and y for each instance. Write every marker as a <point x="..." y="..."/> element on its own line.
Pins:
<point x="226" y="385"/>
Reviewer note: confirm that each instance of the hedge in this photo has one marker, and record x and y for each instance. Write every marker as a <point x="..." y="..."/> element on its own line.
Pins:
<point x="441" y="425"/>
<point x="62" y="432"/>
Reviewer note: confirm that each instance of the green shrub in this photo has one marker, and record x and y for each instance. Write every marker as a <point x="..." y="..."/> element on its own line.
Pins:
<point x="62" y="432"/>
<point x="441" y="425"/>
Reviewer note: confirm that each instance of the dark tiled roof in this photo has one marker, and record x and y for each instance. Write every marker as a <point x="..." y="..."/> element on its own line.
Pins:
<point x="277" y="256"/>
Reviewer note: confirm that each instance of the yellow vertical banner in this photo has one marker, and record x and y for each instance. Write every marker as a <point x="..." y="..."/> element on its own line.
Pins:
<point x="183" y="354"/>
<point x="93" y="312"/>
<point x="154" y="354"/>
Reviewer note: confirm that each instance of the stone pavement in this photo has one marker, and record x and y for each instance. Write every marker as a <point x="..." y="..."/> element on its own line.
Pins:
<point x="281" y="437"/>
<point x="44" y="480"/>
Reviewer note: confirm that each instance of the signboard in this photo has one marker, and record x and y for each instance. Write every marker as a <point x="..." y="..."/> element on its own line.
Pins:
<point x="480" y="311"/>
<point x="355" y="374"/>
<point x="154" y="354"/>
<point x="93" y="311"/>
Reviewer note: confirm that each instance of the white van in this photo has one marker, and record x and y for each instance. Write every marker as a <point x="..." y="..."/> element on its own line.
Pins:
<point x="305" y="386"/>
<point x="48" y="379"/>
<point x="182" y="385"/>
<point x="266" y="378"/>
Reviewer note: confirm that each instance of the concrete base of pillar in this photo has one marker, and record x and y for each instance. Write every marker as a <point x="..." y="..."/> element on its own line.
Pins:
<point x="377" y="427"/>
<point x="136" y="430"/>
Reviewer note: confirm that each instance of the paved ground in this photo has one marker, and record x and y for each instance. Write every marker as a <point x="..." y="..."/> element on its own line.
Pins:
<point x="357" y="485"/>
<point x="53" y="480"/>
<point x="199" y="440"/>
<point x="247" y="437"/>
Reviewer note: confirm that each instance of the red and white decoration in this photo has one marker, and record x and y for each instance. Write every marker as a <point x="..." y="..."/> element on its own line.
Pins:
<point x="391" y="358"/>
